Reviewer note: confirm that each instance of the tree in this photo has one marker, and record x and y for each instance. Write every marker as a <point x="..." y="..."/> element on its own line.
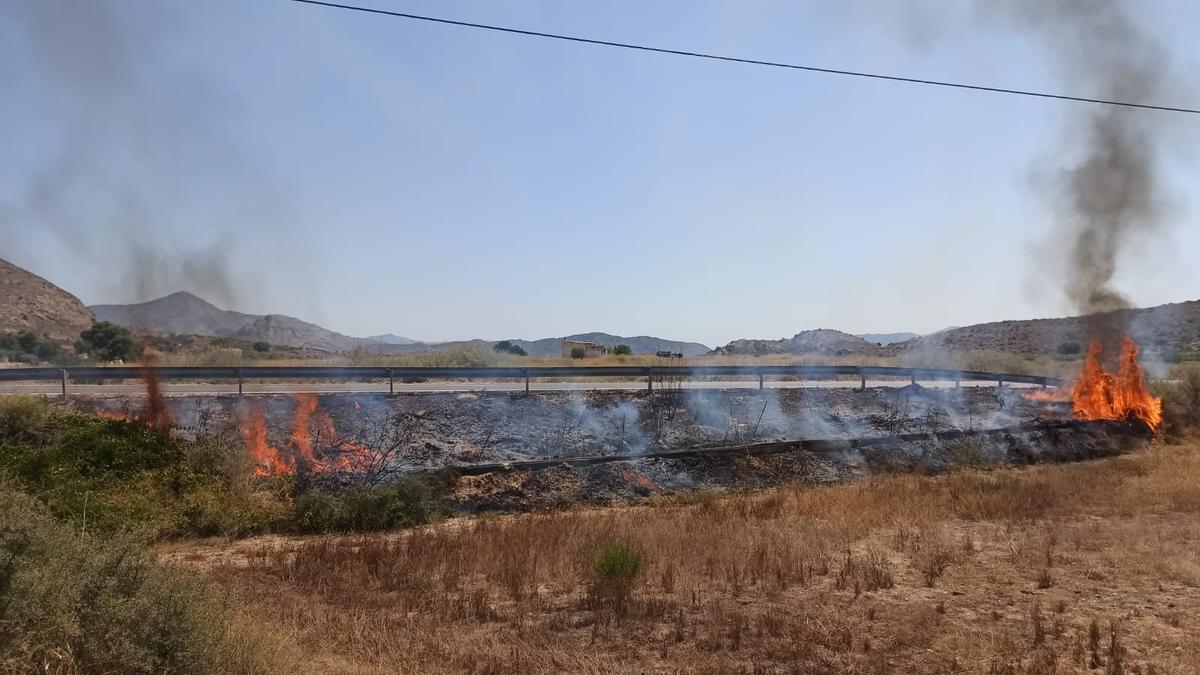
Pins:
<point x="622" y="350"/>
<point x="261" y="346"/>
<point x="29" y="346"/>
<point x="107" y="342"/>
<point x="509" y="347"/>
<point x="578" y="352"/>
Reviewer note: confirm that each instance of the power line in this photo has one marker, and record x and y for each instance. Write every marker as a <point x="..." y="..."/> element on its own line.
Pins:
<point x="754" y="62"/>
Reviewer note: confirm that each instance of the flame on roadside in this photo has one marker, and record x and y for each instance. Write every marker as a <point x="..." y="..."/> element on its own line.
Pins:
<point x="1100" y="395"/>
<point x="313" y="444"/>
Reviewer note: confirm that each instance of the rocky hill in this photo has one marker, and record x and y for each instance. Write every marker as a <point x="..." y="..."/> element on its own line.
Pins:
<point x="887" y="338"/>
<point x="186" y="314"/>
<point x="820" y="341"/>
<point x="29" y="302"/>
<point x="277" y="329"/>
<point x="177" y="314"/>
<point x="1167" y="331"/>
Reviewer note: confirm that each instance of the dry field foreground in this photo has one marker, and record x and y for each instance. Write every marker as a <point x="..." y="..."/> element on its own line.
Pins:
<point x="1090" y="567"/>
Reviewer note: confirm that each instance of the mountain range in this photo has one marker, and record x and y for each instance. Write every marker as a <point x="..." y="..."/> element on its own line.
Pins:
<point x="185" y="314"/>
<point x="29" y="302"/>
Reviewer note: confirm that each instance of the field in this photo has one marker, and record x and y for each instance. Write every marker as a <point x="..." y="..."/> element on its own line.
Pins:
<point x="1088" y="567"/>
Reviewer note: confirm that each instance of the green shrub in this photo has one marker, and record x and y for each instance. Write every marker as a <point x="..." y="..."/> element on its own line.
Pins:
<point x="622" y="350"/>
<point x="318" y="512"/>
<point x="72" y="602"/>
<point x="365" y="508"/>
<point x="616" y="562"/>
<point x="261" y="346"/>
<point x="578" y="352"/>
<point x="114" y="475"/>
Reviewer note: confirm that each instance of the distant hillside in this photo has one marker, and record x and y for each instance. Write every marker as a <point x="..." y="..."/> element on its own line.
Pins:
<point x="278" y="329"/>
<point x="820" y="341"/>
<point x="29" y="302"/>
<point x="185" y="314"/>
<point x="177" y="314"/>
<point x="1171" y="330"/>
<point x="392" y="339"/>
<point x="640" y="344"/>
<point x="887" y="338"/>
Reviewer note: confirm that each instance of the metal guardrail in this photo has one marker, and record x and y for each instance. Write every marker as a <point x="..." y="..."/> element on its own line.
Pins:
<point x="649" y="373"/>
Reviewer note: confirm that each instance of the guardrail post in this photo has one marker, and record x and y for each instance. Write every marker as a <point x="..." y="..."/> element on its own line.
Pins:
<point x="391" y="382"/>
<point x="913" y="379"/>
<point x="526" y="371"/>
<point x="650" y="381"/>
<point x="64" y="383"/>
<point x="862" y="385"/>
<point x="957" y="381"/>
<point x="239" y="372"/>
<point x="760" y="378"/>
<point x="1000" y="383"/>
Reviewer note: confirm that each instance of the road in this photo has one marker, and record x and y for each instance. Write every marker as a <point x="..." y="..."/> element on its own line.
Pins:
<point x="290" y="387"/>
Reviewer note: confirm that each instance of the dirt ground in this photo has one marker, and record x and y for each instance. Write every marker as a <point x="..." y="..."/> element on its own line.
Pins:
<point x="1074" y="568"/>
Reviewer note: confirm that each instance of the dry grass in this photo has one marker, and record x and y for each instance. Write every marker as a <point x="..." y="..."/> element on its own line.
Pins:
<point x="1048" y="569"/>
<point x="968" y="360"/>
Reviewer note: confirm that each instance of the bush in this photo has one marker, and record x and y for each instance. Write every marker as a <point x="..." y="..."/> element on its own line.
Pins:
<point x="71" y="602"/>
<point x="365" y="508"/>
<point x="26" y="346"/>
<point x="1181" y="400"/>
<point x="578" y="352"/>
<point x="261" y="347"/>
<point x="107" y="342"/>
<point x="1068" y="349"/>
<point x="622" y="350"/>
<point x="616" y="562"/>
<point x="114" y="475"/>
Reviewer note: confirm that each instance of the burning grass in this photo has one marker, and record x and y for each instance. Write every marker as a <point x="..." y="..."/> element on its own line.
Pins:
<point x="1047" y="569"/>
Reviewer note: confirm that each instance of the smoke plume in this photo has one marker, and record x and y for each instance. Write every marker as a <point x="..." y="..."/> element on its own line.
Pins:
<point x="134" y="140"/>
<point x="1109" y="196"/>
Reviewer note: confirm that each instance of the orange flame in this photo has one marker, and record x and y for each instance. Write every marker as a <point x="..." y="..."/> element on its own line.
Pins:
<point x="319" y="452"/>
<point x="1100" y="395"/>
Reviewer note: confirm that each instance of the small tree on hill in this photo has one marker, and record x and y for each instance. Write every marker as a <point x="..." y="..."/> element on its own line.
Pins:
<point x="622" y="350"/>
<point x="509" y="347"/>
<point x="107" y="342"/>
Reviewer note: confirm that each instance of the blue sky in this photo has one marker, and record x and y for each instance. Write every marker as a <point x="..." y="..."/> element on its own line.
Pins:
<point x="378" y="175"/>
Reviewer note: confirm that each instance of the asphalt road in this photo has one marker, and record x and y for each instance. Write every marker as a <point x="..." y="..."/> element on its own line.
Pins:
<point x="133" y="388"/>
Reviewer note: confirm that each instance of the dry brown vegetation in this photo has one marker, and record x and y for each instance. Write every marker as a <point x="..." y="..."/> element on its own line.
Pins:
<point x="1090" y="567"/>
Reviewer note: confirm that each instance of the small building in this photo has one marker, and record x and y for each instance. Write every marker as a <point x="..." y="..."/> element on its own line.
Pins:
<point x="570" y="349"/>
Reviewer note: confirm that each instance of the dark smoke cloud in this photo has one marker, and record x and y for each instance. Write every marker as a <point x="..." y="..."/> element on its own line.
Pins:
<point x="1109" y="197"/>
<point x="135" y="130"/>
